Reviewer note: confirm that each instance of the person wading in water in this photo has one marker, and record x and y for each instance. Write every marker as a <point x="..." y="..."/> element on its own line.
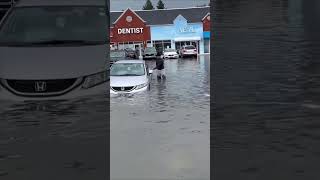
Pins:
<point x="160" y="68"/>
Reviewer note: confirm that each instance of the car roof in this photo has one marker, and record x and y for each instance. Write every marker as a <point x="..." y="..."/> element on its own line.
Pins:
<point x="129" y="61"/>
<point x="28" y="3"/>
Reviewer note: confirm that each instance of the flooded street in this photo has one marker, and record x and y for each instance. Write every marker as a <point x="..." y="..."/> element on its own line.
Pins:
<point x="54" y="139"/>
<point x="164" y="133"/>
<point x="266" y="81"/>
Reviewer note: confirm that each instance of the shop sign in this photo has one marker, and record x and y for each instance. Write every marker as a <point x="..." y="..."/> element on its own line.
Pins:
<point x="187" y="29"/>
<point x="130" y="30"/>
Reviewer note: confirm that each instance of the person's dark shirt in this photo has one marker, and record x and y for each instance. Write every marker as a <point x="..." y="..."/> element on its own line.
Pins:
<point x="159" y="64"/>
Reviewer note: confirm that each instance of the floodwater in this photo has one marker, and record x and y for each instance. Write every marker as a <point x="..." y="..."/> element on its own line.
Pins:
<point x="267" y="90"/>
<point x="54" y="139"/>
<point x="164" y="133"/>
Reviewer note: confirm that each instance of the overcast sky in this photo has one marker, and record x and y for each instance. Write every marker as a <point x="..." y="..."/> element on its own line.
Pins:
<point x="118" y="5"/>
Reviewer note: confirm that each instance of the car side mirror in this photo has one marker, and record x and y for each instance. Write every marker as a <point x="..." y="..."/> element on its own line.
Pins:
<point x="150" y="71"/>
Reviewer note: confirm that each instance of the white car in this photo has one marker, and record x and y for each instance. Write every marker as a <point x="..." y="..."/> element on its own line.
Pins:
<point x="49" y="51"/>
<point x="170" y="53"/>
<point x="129" y="76"/>
<point x="188" y="50"/>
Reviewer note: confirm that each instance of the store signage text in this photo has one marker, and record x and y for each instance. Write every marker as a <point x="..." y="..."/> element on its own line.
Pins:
<point x="130" y="30"/>
<point x="187" y="30"/>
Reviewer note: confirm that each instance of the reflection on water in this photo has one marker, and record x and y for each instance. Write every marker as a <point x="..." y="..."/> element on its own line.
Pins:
<point x="267" y="99"/>
<point x="54" y="139"/>
<point x="164" y="133"/>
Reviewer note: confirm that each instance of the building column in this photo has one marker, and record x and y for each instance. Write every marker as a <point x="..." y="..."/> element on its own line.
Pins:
<point x="201" y="44"/>
<point x="173" y="44"/>
<point x="209" y="45"/>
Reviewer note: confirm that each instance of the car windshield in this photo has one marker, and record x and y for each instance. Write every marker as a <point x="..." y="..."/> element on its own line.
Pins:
<point x="169" y="50"/>
<point x="117" y="54"/>
<point x="189" y="47"/>
<point x="151" y="49"/>
<point x="54" y="25"/>
<point x="127" y="69"/>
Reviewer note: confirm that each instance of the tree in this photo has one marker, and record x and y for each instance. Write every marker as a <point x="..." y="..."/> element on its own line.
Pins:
<point x="160" y="5"/>
<point x="148" y="5"/>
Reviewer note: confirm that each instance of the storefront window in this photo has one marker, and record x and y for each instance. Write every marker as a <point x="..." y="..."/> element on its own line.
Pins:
<point x="178" y="45"/>
<point x="167" y="44"/>
<point x="158" y="45"/>
<point x="120" y="46"/>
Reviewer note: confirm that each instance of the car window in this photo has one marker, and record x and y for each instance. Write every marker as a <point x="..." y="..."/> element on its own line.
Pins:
<point x="189" y="47"/>
<point x="151" y="49"/>
<point x="127" y="69"/>
<point x="59" y="23"/>
<point x="169" y="50"/>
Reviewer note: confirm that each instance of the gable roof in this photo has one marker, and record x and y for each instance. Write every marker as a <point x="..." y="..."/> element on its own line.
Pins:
<point x="166" y="16"/>
<point x="128" y="9"/>
<point x="205" y="16"/>
<point x="180" y="17"/>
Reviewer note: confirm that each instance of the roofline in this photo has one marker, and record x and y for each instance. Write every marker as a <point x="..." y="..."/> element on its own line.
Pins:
<point x="208" y="14"/>
<point x="125" y="12"/>
<point x="165" y="9"/>
<point x="150" y="25"/>
<point x="192" y="23"/>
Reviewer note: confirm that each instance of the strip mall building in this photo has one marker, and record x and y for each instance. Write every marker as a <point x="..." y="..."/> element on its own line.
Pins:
<point x="169" y="28"/>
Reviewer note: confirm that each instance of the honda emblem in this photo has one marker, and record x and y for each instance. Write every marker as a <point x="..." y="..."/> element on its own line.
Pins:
<point x="40" y="86"/>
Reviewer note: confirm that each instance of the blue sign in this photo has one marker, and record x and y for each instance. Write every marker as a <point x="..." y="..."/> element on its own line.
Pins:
<point x="206" y="34"/>
<point x="182" y="28"/>
<point x="179" y="28"/>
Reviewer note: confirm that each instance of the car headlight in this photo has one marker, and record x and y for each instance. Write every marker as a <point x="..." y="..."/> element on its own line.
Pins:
<point x="140" y="86"/>
<point x="95" y="79"/>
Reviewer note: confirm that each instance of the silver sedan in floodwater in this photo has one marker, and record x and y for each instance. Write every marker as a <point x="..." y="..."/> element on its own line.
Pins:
<point x="53" y="50"/>
<point x="129" y="76"/>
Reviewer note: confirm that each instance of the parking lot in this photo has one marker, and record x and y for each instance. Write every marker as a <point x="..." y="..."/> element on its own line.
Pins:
<point x="164" y="132"/>
<point x="170" y="121"/>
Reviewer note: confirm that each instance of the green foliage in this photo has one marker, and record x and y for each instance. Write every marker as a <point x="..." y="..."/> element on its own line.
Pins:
<point x="148" y="5"/>
<point x="160" y="5"/>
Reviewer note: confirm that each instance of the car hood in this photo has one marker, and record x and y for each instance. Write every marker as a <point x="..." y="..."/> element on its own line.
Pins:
<point x="169" y="53"/>
<point x="51" y="62"/>
<point x="124" y="81"/>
